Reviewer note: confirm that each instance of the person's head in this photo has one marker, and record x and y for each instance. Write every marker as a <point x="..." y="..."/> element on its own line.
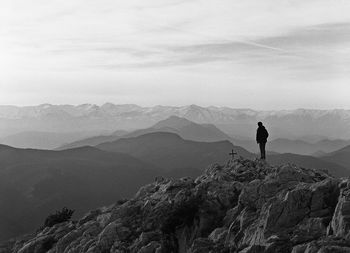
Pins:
<point x="260" y="124"/>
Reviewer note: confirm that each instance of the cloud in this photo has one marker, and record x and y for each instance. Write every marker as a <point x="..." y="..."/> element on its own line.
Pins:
<point x="252" y="42"/>
<point x="312" y="52"/>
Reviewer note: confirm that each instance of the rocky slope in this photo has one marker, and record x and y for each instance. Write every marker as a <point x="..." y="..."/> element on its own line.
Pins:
<point x="244" y="206"/>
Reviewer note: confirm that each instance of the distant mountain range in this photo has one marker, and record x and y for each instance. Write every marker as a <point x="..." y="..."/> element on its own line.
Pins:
<point x="306" y="148"/>
<point x="161" y="143"/>
<point x="34" y="183"/>
<point x="168" y="150"/>
<point x="91" y="141"/>
<point x="301" y="147"/>
<point x="185" y="128"/>
<point x="41" y="181"/>
<point x="341" y="157"/>
<point x="190" y="130"/>
<point x="43" y="140"/>
<point x="158" y="144"/>
<point x="104" y="168"/>
<point x="238" y="123"/>
<point x="210" y="133"/>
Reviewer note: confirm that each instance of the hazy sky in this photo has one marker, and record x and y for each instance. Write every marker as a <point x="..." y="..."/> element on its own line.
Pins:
<point x="262" y="54"/>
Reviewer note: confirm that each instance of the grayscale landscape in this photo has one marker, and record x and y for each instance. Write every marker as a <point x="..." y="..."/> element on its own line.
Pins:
<point x="170" y="126"/>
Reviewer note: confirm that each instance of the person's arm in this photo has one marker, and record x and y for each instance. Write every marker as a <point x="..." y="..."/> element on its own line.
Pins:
<point x="267" y="133"/>
<point x="257" y="136"/>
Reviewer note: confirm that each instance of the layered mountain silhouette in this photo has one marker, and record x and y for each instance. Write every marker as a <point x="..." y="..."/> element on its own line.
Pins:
<point x="189" y="130"/>
<point x="170" y="151"/>
<point x="243" y="206"/>
<point x="306" y="148"/>
<point x="82" y="177"/>
<point x="291" y="124"/>
<point x="34" y="183"/>
<point x="301" y="147"/>
<point x="341" y="157"/>
<point x="40" y="181"/>
<point x="192" y="131"/>
<point x="43" y="140"/>
<point x="91" y="141"/>
<point x="183" y="127"/>
<point x="210" y="133"/>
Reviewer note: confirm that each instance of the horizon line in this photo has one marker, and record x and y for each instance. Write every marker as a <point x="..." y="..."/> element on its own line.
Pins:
<point x="175" y="106"/>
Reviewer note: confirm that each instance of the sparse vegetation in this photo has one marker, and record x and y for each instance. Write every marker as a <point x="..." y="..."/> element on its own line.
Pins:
<point x="121" y="201"/>
<point x="60" y="216"/>
<point x="182" y="214"/>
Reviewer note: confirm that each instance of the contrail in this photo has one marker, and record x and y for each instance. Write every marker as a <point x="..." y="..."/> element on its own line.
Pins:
<point x="246" y="42"/>
<point x="251" y="43"/>
<point x="261" y="45"/>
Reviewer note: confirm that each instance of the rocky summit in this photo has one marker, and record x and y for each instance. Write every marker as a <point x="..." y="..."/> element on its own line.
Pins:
<point x="245" y="206"/>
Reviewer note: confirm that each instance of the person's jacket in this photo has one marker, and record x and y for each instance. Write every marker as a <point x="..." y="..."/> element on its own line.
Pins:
<point x="261" y="135"/>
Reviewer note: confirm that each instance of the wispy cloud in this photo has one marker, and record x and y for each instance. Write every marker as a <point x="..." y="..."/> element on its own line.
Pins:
<point x="251" y="41"/>
<point x="313" y="51"/>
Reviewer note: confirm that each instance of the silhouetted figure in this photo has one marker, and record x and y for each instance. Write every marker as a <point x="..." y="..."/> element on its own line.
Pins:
<point x="261" y="139"/>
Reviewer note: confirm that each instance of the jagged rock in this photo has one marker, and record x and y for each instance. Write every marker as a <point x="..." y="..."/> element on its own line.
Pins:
<point x="341" y="218"/>
<point x="152" y="247"/>
<point x="253" y="249"/>
<point x="218" y="235"/>
<point x="107" y="237"/>
<point x="90" y="216"/>
<point x="38" y="245"/>
<point x="67" y="239"/>
<point x="245" y="206"/>
<point x="324" y="245"/>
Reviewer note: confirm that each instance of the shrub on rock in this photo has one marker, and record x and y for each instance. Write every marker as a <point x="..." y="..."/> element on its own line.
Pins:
<point x="60" y="216"/>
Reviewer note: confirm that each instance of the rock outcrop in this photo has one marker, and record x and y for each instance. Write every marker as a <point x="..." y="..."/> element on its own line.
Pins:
<point x="245" y="206"/>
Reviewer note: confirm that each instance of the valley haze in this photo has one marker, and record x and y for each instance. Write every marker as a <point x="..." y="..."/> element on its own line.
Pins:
<point x="107" y="118"/>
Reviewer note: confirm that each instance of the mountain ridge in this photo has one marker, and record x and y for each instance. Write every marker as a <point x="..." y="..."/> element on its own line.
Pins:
<point x="165" y="148"/>
<point x="340" y="156"/>
<point x="34" y="182"/>
<point x="283" y="145"/>
<point x="183" y="127"/>
<point x="235" y="122"/>
<point x="161" y="156"/>
<point x="169" y="150"/>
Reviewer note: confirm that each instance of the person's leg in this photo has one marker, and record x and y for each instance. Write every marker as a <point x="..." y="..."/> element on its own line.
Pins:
<point x="261" y="150"/>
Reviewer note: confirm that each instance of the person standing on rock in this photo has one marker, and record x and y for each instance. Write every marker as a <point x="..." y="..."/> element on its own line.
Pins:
<point x="261" y="139"/>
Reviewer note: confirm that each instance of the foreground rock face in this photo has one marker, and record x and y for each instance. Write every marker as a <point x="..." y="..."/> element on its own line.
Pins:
<point x="244" y="206"/>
